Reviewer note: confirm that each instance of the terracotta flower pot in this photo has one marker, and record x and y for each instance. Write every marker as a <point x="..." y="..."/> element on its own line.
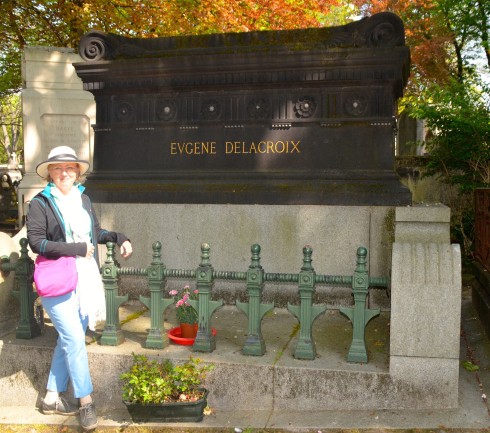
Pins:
<point x="188" y="330"/>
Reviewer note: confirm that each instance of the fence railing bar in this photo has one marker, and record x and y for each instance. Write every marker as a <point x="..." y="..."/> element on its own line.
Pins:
<point x="138" y="272"/>
<point x="180" y="273"/>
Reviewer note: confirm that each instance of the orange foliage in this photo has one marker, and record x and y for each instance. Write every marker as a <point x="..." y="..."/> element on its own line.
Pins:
<point x="150" y="18"/>
<point x="426" y="34"/>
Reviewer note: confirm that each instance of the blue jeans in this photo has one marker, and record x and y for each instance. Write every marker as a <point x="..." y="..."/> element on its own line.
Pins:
<point x="70" y="360"/>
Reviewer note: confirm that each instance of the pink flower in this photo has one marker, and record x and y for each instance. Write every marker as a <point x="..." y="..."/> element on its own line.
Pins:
<point x="182" y="301"/>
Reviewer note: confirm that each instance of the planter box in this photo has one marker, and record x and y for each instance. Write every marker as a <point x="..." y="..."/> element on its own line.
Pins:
<point x="168" y="412"/>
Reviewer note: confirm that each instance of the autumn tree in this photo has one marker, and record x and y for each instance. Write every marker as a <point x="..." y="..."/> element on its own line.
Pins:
<point x="61" y="23"/>
<point x="449" y="42"/>
<point x="446" y="37"/>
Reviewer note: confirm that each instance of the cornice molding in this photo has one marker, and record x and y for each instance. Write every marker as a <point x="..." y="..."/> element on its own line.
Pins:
<point x="380" y="30"/>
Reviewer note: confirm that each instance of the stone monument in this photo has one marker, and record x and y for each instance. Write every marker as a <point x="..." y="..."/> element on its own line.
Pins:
<point x="278" y="138"/>
<point x="270" y="117"/>
<point x="56" y="111"/>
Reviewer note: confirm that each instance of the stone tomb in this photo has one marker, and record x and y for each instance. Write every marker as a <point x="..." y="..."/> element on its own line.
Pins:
<point x="273" y="117"/>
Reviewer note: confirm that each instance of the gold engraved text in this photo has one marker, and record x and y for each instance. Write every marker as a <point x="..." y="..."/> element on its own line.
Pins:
<point x="193" y="148"/>
<point x="240" y="147"/>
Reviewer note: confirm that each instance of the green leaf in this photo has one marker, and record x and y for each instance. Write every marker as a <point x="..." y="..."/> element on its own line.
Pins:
<point x="469" y="366"/>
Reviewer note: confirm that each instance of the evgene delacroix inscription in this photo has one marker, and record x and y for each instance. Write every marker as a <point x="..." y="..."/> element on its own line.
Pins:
<point x="233" y="147"/>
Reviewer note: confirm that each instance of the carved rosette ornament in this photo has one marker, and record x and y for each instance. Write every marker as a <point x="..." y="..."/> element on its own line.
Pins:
<point x="124" y="111"/>
<point x="211" y="110"/>
<point x="258" y="108"/>
<point x="166" y="110"/>
<point x="356" y="105"/>
<point x="305" y="107"/>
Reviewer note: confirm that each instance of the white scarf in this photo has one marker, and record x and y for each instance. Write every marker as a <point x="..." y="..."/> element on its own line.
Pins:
<point x="90" y="290"/>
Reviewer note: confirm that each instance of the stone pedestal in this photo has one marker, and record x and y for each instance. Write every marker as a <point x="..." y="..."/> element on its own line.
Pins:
<point x="56" y="111"/>
<point x="333" y="232"/>
<point x="426" y="304"/>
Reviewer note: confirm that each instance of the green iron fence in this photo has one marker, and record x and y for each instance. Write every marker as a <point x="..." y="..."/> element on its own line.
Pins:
<point x="205" y="275"/>
<point x="28" y="327"/>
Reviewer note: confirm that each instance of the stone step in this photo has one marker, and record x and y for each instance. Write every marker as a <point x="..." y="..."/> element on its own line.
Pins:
<point x="259" y="382"/>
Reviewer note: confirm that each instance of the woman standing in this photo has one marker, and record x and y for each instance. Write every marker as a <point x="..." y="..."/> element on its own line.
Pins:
<point x="61" y="222"/>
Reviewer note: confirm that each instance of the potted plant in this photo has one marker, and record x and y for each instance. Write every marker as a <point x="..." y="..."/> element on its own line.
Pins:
<point x="186" y="313"/>
<point x="165" y="391"/>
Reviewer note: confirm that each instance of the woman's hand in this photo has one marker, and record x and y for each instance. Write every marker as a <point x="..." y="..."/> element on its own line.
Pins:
<point x="126" y="249"/>
<point x="90" y="251"/>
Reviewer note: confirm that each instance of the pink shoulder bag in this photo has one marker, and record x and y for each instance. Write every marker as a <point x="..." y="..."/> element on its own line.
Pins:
<point x="55" y="277"/>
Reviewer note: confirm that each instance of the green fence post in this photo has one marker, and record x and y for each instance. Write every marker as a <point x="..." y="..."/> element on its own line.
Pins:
<point x="359" y="314"/>
<point x="254" y="308"/>
<point x="205" y="340"/>
<point x="28" y="327"/>
<point x="156" y="303"/>
<point x="112" y="334"/>
<point x="306" y="312"/>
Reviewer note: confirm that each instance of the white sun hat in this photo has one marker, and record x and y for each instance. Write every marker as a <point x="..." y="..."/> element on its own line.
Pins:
<point x="61" y="154"/>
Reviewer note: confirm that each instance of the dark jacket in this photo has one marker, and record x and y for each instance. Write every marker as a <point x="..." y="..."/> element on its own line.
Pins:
<point x="46" y="228"/>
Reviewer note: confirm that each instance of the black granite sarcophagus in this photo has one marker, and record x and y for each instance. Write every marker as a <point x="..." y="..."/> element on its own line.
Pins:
<point x="272" y="117"/>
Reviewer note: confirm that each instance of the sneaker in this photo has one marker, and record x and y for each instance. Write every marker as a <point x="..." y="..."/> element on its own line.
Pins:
<point x="88" y="417"/>
<point x="60" y="407"/>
